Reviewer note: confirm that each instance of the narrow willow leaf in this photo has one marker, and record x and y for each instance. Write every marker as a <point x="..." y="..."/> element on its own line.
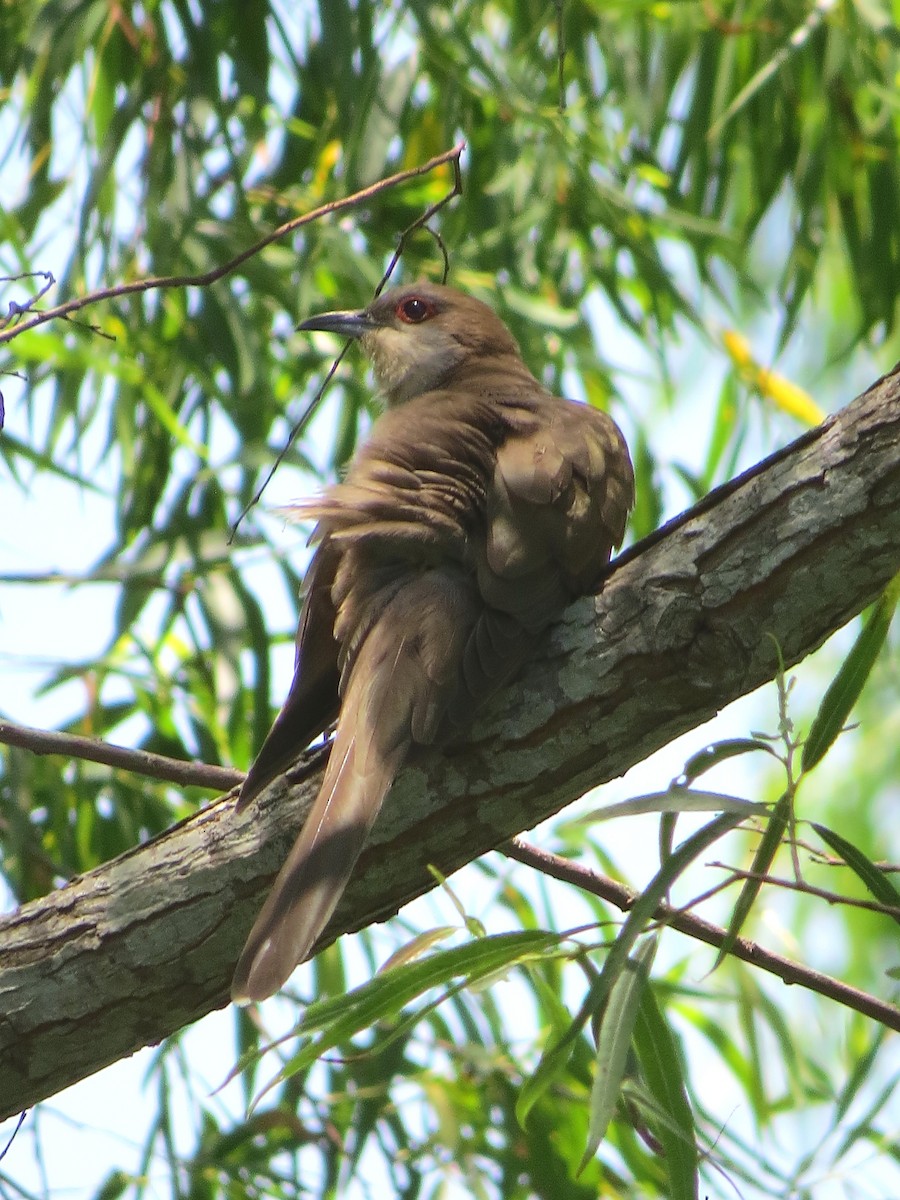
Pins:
<point x="762" y="860"/>
<point x="661" y="1068"/>
<point x="554" y="1061"/>
<point x="846" y="686"/>
<point x="613" y="1044"/>
<point x="860" y="1074"/>
<point x="710" y="756"/>
<point x="791" y="46"/>
<point x="418" y="946"/>
<point x="550" y="315"/>
<point x="339" y="1019"/>
<point x="390" y="990"/>
<point x="675" y="800"/>
<point x="876" y="881"/>
<point x="552" y="1009"/>
<point x="723" y="431"/>
<point x="649" y="900"/>
<point x="14" y="449"/>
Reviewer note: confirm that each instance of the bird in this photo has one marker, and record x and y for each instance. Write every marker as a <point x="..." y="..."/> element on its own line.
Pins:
<point x="477" y="509"/>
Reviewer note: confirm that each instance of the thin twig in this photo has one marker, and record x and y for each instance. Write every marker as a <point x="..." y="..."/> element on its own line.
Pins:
<point x="560" y="57"/>
<point x="208" y="277"/>
<point x="140" y="762"/>
<point x="422" y="221"/>
<point x="298" y="427"/>
<point x="12" y="1136"/>
<point x="786" y="969"/>
<point x="307" y="414"/>
<point x="19" y="310"/>
<point x="808" y="889"/>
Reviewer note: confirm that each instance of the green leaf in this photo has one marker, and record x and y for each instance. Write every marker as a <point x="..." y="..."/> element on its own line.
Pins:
<point x="614" y="1042"/>
<point x="661" y="1067"/>
<point x="876" y="881"/>
<point x="548" y="313"/>
<point x="762" y="860"/>
<point x="340" y="1019"/>
<point x="555" y="1060"/>
<point x="419" y="945"/>
<point x="657" y="889"/>
<point x="846" y="686"/>
<point x="710" y="756"/>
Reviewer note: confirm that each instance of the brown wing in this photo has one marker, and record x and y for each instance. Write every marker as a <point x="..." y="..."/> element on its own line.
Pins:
<point x="560" y="496"/>
<point x="557" y="505"/>
<point x="312" y="703"/>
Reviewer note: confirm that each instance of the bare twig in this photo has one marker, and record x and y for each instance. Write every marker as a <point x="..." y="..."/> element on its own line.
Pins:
<point x="298" y="427"/>
<point x="12" y="1136"/>
<point x="19" y="310"/>
<point x="821" y="859"/>
<point x="208" y="277"/>
<point x="141" y="762"/>
<point x="786" y="969"/>
<point x="808" y="889"/>
<point x="560" y="57"/>
<point x="420" y="222"/>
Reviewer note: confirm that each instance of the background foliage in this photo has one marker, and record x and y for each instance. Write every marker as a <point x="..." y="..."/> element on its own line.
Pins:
<point x="681" y="210"/>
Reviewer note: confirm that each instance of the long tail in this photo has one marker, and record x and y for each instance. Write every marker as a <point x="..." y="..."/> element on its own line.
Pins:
<point x="316" y="871"/>
<point x="365" y="759"/>
<point x="406" y="675"/>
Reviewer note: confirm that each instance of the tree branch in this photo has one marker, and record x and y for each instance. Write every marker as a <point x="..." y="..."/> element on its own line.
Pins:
<point x="127" y="954"/>
<point x="689" y="923"/>
<point x="139" y="762"/>
<point x="208" y="277"/>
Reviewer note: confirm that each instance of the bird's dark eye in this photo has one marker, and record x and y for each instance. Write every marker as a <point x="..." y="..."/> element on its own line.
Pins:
<point x="415" y="310"/>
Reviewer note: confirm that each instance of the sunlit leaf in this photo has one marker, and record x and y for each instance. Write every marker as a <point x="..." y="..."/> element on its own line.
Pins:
<point x="710" y="756"/>
<point x="614" y="1042"/>
<point x="769" y="844"/>
<point x="675" y="800"/>
<point x="878" y="882"/>
<point x="845" y="688"/>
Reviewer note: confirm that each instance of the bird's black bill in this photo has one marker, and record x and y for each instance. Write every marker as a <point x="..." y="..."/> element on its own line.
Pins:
<point x="350" y="324"/>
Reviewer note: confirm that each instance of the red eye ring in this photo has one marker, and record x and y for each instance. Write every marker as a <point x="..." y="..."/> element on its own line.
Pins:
<point x="414" y="310"/>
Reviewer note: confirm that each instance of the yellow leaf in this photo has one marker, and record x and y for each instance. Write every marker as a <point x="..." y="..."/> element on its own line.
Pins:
<point x="738" y="348"/>
<point x="328" y="160"/>
<point x="788" y="396"/>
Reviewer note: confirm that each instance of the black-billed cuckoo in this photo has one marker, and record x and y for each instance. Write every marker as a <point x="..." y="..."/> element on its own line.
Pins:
<point x="477" y="509"/>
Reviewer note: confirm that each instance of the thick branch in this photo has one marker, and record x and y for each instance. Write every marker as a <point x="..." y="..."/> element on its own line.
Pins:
<point x="131" y="952"/>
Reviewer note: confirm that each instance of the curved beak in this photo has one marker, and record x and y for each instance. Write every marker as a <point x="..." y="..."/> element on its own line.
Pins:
<point x="349" y="323"/>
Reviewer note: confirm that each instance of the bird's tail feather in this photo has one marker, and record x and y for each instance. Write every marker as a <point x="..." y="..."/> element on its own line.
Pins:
<point x="405" y="675"/>
<point x="311" y="882"/>
<point x="372" y="740"/>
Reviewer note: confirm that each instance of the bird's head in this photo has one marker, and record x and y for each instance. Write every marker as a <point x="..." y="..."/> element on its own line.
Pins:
<point x="419" y="335"/>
